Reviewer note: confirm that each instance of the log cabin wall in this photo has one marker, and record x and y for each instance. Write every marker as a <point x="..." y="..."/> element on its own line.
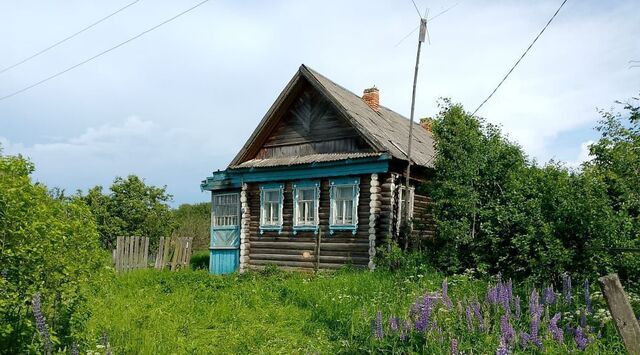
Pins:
<point x="286" y="250"/>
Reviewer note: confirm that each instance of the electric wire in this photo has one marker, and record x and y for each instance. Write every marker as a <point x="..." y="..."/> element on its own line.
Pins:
<point x="522" y="56"/>
<point x="67" y="38"/>
<point x="103" y="52"/>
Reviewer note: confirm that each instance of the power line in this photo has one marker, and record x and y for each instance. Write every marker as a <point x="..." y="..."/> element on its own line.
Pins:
<point x="103" y="52"/>
<point x="522" y="56"/>
<point x="66" y="38"/>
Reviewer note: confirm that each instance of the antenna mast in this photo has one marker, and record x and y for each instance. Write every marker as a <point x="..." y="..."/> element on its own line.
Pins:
<point x="421" y="38"/>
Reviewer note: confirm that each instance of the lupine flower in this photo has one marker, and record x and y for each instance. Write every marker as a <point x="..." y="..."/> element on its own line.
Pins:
<point x="587" y="297"/>
<point x="40" y="322"/>
<point x="555" y="331"/>
<point x="492" y="295"/>
<point x="424" y="310"/>
<point x="517" y="304"/>
<point x="566" y="289"/>
<point x="393" y="323"/>
<point x="506" y="330"/>
<point x="505" y="295"/>
<point x="535" y="324"/>
<point x="549" y="296"/>
<point x="502" y="348"/>
<point x="476" y="310"/>
<point x="524" y="339"/>
<point x="405" y="329"/>
<point x="581" y="339"/>
<point x="454" y="347"/>
<point x="469" y="317"/>
<point x="583" y="319"/>
<point x="534" y="303"/>
<point x="378" y="326"/>
<point x="445" y="294"/>
<point x="569" y="330"/>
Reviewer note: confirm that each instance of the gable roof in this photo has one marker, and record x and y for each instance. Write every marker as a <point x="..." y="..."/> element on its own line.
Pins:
<point x="386" y="130"/>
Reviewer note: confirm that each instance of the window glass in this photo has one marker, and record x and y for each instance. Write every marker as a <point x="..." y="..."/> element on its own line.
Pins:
<point x="306" y="205"/>
<point x="225" y="210"/>
<point x="270" y="207"/>
<point x="344" y="205"/>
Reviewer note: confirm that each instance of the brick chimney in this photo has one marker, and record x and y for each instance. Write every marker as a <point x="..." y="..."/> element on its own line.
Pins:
<point x="427" y="123"/>
<point x="372" y="97"/>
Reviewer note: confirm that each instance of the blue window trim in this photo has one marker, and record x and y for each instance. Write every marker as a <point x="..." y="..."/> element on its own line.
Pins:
<point x="272" y="186"/>
<point x="355" y="182"/>
<point x="303" y="185"/>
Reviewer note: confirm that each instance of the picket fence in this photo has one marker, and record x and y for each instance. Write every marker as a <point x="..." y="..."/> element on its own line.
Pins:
<point x="133" y="253"/>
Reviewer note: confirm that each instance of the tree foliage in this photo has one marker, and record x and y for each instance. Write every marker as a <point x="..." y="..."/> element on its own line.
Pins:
<point x="131" y="208"/>
<point x="47" y="246"/>
<point x="194" y="220"/>
<point x="498" y="211"/>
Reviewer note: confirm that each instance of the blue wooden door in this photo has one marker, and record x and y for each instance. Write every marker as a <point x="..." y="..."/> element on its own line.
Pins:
<point x="225" y="233"/>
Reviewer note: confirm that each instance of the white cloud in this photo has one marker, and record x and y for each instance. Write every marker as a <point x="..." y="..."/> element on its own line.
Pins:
<point x="583" y="155"/>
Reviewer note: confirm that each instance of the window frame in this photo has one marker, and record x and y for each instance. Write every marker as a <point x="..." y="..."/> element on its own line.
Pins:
<point x="263" y="190"/>
<point x="306" y="185"/>
<point x="214" y="216"/>
<point x="354" y="183"/>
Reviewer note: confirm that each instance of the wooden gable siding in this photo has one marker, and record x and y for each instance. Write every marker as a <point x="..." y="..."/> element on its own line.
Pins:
<point x="311" y="125"/>
<point x="286" y="250"/>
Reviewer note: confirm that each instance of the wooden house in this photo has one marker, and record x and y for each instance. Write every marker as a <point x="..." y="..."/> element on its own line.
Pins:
<point x="319" y="183"/>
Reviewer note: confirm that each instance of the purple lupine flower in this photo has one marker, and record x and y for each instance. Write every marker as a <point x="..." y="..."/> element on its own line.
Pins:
<point x="506" y="330"/>
<point x="569" y="330"/>
<point x="404" y="330"/>
<point x="492" y="295"/>
<point x="535" y="324"/>
<point x="503" y="349"/>
<point x="469" y="317"/>
<point x="549" y="296"/>
<point x="566" y="289"/>
<point x="394" y="323"/>
<point x="516" y="300"/>
<point x="40" y="321"/>
<point x="445" y="294"/>
<point x="555" y="331"/>
<point x="581" y="339"/>
<point x="505" y="295"/>
<point x="524" y="339"/>
<point x="583" y="319"/>
<point x="454" y="347"/>
<point x="534" y="303"/>
<point x="476" y="310"/>
<point x="587" y="297"/>
<point x="423" y="314"/>
<point x="379" y="334"/>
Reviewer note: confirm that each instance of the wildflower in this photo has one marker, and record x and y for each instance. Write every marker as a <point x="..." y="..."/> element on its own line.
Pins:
<point x="404" y="330"/>
<point x="581" y="339"/>
<point x="549" y="296"/>
<point x="566" y="289"/>
<point x="535" y="324"/>
<point x="40" y="321"/>
<point x="469" y="317"/>
<point x="524" y="339"/>
<point x="423" y="317"/>
<point x="534" y="303"/>
<point x="502" y="348"/>
<point x="506" y="330"/>
<point x="476" y="310"/>
<point x="445" y="294"/>
<point x="555" y="331"/>
<point x="378" y="326"/>
<point x="517" y="304"/>
<point x="587" y="297"/>
<point x="583" y="319"/>
<point x="454" y="347"/>
<point x="506" y="295"/>
<point x="492" y="295"/>
<point x="393" y="323"/>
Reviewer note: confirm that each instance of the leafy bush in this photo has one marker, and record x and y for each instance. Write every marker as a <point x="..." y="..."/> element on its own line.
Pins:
<point x="497" y="211"/>
<point x="200" y="260"/>
<point x="48" y="250"/>
<point x="194" y="221"/>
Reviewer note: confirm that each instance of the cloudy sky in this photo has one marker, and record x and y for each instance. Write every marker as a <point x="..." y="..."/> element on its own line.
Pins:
<point x="178" y="102"/>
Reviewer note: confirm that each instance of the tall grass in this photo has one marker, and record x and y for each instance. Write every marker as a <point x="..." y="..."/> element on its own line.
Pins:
<point x="151" y="312"/>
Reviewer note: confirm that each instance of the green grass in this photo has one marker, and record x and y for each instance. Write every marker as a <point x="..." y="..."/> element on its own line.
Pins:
<point x="189" y="312"/>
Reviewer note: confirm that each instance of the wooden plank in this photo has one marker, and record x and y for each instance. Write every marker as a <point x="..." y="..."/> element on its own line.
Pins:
<point x="165" y="257"/>
<point x="145" y="259"/>
<point x="323" y="258"/>
<point x="160" y="254"/>
<point x="118" y="253"/>
<point x="174" y="259"/>
<point x="621" y="312"/>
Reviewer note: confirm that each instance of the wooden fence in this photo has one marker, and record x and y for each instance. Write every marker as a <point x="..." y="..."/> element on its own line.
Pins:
<point x="133" y="253"/>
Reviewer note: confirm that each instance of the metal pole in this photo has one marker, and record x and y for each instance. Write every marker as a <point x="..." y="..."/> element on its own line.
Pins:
<point x="423" y="30"/>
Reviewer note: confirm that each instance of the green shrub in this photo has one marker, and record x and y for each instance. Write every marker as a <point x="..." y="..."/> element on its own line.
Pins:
<point x="49" y="246"/>
<point x="200" y="260"/>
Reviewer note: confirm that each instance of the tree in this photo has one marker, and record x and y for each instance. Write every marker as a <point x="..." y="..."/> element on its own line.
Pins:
<point x="48" y="246"/>
<point x="194" y="221"/>
<point x="132" y="208"/>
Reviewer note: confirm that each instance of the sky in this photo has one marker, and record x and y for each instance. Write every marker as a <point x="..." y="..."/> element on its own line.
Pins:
<point x="178" y="103"/>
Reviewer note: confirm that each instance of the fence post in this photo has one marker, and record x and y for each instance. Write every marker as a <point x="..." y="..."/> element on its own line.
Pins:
<point x="145" y="256"/>
<point x="159" y="255"/>
<point x="621" y="312"/>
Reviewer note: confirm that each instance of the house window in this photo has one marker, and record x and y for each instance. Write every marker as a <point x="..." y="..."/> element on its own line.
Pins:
<point x="271" y="197"/>
<point x="402" y="196"/>
<point x="225" y="210"/>
<point x="344" y="205"/>
<point x="306" y="197"/>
